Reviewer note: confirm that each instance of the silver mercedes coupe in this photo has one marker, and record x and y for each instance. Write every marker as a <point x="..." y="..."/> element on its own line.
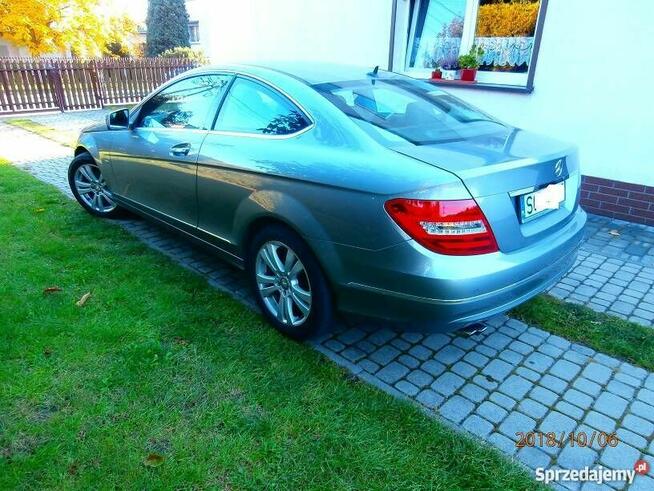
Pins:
<point x="343" y="189"/>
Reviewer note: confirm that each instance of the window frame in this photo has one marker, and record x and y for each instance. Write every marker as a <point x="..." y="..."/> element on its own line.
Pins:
<point x="196" y="25"/>
<point x="400" y="45"/>
<point x="138" y="116"/>
<point x="281" y="93"/>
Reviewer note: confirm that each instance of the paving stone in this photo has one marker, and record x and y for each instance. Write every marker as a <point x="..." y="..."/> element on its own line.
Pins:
<point x="627" y="379"/>
<point x="557" y="422"/>
<point x="599" y="422"/>
<point x="577" y="457"/>
<point x="622" y="456"/>
<point x="476" y="359"/>
<point x="368" y="365"/>
<point x="570" y="410"/>
<point x="407" y="388"/>
<point x="638" y="425"/>
<point x="646" y="395"/>
<point x="465" y="344"/>
<point x="419" y="378"/>
<point x="409" y="361"/>
<point x="520" y="347"/>
<point x="544" y="396"/>
<point x="584" y="385"/>
<point x="649" y="383"/>
<point x="502" y="400"/>
<point x="511" y="357"/>
<point x="578" y="398"/>
<point x="412" y="337"/>
<point x="430" y="398"/>
<point x="464" y="369"/>
<point x="517" y="422"/>
<point x="531" y="339"/>
<point x="473" y="392"/>
<point x="576" y="357"/>
<point x="456" y="408"/>
<point x="351" y="336"/>
<point x="642" y="483"/>
<point x="610" y="404"/>
<point x="382" y="336"/>
<point x="352" y="353"/>
<point x="478" y="426"/>
<point x="631" y="438"/>
<point x="620" y="389"/>
<point x="392" y="372"/>
<point x="385" y="355"/>
<point x="559" y="342"/>
<point x="334" y="345"/>
<point x="550" y="350"/>
<point x="565" y="370"/>
<point x="515" y="387"/>
<point x="400" y="344"/>
<point x="539" y="362"/>
<point x="497" y="369"/>
<point x="503" y="443"/>
<point x="447" y="384"/>
<point x="553" y="383"/>
<point x="528" y="374"/>
<point x="436" y="341"/>
<point x="449" y="354"/>
<point x="486" y="350"/>
<point x="420" y="352"/>
<point x="492" y="412"/>
<point x="597" y="373"/>
<point x="497" y="341"/>
<point x="643" y="410"/>
<point x="433" y="367"/>
<point x="532" y="408"/>
<point x="533" y="458"/>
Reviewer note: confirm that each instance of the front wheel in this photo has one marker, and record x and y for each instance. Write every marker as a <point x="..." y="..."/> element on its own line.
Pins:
<point x="90" y="188"/>
<point x="288" y="283"/>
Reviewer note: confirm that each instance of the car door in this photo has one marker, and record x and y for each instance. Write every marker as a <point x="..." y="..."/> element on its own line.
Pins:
<point x="250" y="144"/>
<point x="154" y="162"/>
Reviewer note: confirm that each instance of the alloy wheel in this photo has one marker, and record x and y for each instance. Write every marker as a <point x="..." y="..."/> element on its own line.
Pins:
<point x="283" y="283"/>
<point x="92" y="188"/>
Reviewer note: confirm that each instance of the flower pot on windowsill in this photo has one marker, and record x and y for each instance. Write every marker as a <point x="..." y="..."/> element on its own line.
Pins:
<point x="436" y="75"/>
<point x="469" y="74"/>
<point x="451" y="74"/>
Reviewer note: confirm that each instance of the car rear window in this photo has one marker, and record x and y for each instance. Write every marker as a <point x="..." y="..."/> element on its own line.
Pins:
<point x="405" y="109"/>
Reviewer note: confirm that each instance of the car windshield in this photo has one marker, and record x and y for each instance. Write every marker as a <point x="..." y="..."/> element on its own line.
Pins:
<point x="395" y="109"/>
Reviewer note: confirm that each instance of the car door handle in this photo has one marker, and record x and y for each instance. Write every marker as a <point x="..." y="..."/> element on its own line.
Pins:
<point x="180" y="150"/>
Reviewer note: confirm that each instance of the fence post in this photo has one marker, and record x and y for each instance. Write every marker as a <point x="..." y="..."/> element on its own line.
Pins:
<point x="54" y="75"/>
<point x="96" y="80"/>
<point x="5" y="85"/>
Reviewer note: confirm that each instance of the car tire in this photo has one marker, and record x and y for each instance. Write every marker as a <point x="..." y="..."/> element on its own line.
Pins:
<point x="282" y="294"/>
<point x="90" y="189"/>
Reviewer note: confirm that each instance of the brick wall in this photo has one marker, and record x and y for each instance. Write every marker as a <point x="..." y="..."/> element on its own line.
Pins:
<point x="615" y="199"/>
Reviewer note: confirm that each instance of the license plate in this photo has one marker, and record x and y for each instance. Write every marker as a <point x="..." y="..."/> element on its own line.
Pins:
<point x="541" y="201"/>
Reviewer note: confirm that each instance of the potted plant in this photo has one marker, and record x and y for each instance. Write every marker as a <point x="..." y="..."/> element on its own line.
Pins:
<point x="470" y="63"/>
<point x="450" y="68"/>
<point x="436" y="73"/>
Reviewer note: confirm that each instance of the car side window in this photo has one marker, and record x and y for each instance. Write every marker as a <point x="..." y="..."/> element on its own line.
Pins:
<point x="251" y="107"/>
<point x="190" y="103"/>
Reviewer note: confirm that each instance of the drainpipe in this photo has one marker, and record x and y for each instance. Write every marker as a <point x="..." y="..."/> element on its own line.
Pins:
<point x="391" y="47"/>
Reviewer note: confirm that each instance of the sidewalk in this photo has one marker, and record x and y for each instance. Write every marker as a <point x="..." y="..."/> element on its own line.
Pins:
<point x="512" y="378"/>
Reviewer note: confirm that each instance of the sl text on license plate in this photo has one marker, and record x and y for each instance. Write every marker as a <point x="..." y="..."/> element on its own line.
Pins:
<point x="541" y="201"/>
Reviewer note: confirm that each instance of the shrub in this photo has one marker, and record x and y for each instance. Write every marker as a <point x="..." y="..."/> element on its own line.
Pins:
<point x="167" y="24"/>
<point x="507" y="19"/>
<point x="195" y="55"/>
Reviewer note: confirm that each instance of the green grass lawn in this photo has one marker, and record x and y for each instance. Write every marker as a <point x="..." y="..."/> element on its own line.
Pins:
<point x="159" y="381"/>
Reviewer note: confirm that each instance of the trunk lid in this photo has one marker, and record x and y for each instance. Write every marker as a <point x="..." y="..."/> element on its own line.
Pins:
<point x="497" y="168"/>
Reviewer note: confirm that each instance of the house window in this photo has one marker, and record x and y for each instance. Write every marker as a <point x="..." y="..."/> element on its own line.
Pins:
<point x="194" y="32"/>
<point x="507" y="30"/>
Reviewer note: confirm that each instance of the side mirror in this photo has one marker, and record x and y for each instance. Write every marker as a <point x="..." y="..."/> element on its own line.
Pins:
<point x="118" y="120"/>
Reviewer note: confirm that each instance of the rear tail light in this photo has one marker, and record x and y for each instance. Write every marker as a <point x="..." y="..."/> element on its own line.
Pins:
<point x="455" y="228"/>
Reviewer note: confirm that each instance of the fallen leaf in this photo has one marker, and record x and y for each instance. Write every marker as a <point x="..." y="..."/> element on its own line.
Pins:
<point x="82" y="301"/>
<point x="72" y="469"/>
<point x="614" y="233"/>
<point x="153" y="460"/>
<point x="39" y="210"/>
<point x="47" y="352"/>
<point x="51" y="289"/>
<point x="180" y="341"/>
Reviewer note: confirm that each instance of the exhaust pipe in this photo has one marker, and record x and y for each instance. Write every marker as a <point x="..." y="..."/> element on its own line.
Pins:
<point x="473" y="329"/>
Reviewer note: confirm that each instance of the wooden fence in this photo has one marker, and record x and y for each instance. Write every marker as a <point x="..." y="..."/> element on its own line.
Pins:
<point x="29" y="84"/>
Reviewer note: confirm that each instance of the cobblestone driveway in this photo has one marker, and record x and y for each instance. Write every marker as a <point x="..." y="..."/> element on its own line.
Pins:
<point x="511" y="378"/>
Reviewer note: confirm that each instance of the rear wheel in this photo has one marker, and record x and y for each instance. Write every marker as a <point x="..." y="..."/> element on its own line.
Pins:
<point x="288" y="283"/>
<point x="90" y="187"/>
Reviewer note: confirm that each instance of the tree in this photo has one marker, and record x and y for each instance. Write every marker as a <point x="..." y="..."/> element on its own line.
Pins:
<point x="58" y="25"/>
<point x="167" y="24"/>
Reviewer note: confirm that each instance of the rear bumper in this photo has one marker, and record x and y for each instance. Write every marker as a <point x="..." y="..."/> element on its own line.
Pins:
<point x="423" y="290"/>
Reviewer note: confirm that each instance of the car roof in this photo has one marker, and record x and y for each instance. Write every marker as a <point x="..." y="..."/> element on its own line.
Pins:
<point x="309" y="72"/>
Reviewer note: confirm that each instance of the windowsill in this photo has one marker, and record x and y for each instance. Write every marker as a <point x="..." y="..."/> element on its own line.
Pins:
<point x="459" y="84"/>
